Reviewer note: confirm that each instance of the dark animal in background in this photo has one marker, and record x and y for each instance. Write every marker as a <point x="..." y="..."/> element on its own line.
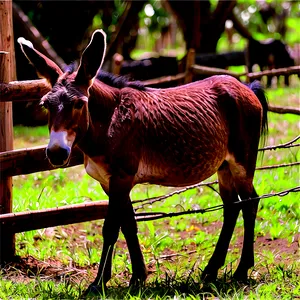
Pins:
<point x="269" y="54"/>
<point x="131" y="134"/>
<point x="149" y="68"/>
<point x="155" y="67"/>
<point x="221" y="60"/>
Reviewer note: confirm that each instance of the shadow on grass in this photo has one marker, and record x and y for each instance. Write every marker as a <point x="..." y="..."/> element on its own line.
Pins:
<point x="34" y="279"/>
<point x="14" y="284"/>
<point x="174" y="288"/>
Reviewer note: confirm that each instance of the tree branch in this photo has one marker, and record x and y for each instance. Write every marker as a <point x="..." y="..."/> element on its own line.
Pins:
<point x="31" y="33"/>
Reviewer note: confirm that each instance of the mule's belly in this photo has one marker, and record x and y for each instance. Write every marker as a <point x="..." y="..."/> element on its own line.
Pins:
<point x="185" y="173"/>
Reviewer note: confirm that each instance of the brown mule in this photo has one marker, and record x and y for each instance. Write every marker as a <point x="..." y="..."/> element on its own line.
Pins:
<point x="179" y="136"/>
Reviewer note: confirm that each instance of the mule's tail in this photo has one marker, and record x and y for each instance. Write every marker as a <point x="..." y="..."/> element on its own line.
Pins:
<point x="258" y="90"/>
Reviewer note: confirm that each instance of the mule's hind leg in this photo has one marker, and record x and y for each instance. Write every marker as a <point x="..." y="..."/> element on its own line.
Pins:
<point x="230" y="215"/>
<point x="243" y="173"/>
<point x="249" y="210"/>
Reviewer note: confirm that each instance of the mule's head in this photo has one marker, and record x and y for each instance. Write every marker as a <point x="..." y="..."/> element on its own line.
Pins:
<point x="67" y="102"/>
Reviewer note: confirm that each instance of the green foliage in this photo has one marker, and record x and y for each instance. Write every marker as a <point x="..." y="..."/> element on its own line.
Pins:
<point x="154" y="16"/>
<point x="248" y="13"/>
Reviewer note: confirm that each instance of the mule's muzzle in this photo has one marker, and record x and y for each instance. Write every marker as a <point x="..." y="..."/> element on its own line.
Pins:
<point x="57" y="155"/>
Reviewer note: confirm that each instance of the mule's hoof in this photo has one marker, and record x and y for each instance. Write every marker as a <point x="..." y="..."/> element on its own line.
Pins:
<point x="209" y="276"/>
<point x="240" y="275"/>
<point x="138" y="281"/>
<point x="95" y="290"/>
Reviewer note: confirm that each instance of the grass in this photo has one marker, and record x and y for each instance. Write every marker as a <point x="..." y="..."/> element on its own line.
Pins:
<point x="281" y="283"/>
<point x="60" y="262"/>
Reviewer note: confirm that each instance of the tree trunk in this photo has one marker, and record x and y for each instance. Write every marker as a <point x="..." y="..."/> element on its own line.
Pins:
<point x="201" y="27"/>
<point x="63" y="23"/>
<point x="125" y="37"/>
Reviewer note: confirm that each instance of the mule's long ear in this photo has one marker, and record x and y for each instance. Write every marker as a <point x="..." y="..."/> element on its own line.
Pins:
<point x="45" y="67"/>
<point x="92" y="59"/>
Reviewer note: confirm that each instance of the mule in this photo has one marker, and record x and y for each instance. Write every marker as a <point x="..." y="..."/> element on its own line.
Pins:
<point x="132" y="134"/>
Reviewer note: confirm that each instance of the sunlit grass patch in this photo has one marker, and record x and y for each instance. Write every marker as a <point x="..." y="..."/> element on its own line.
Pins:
<point x="30" y="136"/>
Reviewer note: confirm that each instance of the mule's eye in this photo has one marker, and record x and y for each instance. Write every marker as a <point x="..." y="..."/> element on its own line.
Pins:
<point x="44" y="103"/>
<point x="78" y="104"/>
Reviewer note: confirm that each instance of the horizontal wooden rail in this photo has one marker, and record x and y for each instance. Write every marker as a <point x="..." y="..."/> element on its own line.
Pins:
<point x="65" y="215"/>
<point x="164" y="79"/>
<point x="33" y="90"/>
<point x="28" y="90"/>
<point x="275" y="72"/>
<point x="284" y="109"/>
<point x="26" y="161"/>
<point x="202" y="70"/>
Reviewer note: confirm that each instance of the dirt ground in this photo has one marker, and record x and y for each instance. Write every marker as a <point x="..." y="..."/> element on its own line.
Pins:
<point x="25" y="269"/>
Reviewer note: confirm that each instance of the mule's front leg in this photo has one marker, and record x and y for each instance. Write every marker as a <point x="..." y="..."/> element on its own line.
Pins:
<point x="120" y="214"/>
<point x="110" y="233"/>
<point x="129" y="229"/>
<point x="120" y="188"/>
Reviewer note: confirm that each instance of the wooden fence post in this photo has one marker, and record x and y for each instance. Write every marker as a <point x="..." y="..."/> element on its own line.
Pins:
<point x="7" y="73"/>
<point x="190" y="60"/>
<point x="117" y="61"/>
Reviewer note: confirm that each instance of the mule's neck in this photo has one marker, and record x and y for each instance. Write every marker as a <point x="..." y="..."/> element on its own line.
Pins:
<point x="102" y="101"/>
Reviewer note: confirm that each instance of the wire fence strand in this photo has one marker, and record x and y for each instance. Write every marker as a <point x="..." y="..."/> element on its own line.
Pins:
<point x="150" y="201"/>
<point x="160" y="198"/>
<point x="289" y="144"/>
<point x="159" y="215"/>
<point x="278" y="166"/>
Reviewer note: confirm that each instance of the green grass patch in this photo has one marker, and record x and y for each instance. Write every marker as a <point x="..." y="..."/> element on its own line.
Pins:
<point x="30" y="136"/>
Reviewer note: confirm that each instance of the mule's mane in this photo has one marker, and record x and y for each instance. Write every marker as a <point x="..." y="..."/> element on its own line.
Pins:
<point x="119" y="81"/>
<point x="112" y="80"/>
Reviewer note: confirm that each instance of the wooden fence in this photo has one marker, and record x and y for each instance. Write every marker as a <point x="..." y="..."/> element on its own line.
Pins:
<point x="26" y="161"/>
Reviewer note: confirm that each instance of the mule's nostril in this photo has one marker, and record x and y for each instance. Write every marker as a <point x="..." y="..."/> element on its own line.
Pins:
<point x="58" y="155"/>
<point x="63" y="153"/>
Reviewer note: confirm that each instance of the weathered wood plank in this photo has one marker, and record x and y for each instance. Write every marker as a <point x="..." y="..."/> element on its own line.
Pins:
<point x="284" y="110"/>
<point x="163" y="79"/>
<point x="26" y="161"/>
<point x="65" y="215"/>
<point x="202" y="70"/>
<point x="7" y="74"/>
<point x="190" y="61"/>
<point x="28" y="90"/>
<point x="275" y="72"/>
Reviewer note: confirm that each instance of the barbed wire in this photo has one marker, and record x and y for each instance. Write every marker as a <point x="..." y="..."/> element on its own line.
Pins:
<point x="159" y="215"/>
<point x="278" y="166"/>
<point x="289" y="144"/>
<point x="152" y="200"/>
<point x="159" y="198"/>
